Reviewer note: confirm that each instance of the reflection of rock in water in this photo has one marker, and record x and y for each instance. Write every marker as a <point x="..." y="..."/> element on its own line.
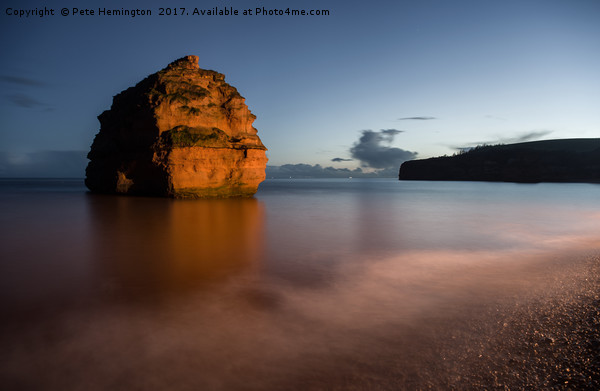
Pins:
<point x="147" y="246"/>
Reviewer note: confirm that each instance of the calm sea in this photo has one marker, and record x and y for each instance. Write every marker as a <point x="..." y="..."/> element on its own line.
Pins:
<point x="301" y="285"/>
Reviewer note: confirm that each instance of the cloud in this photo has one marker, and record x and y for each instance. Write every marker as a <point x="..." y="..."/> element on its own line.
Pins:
<point x="534" y="135"/>
<point x="489" y="116"/>
<point x="391" y="132"/>
<point x="519" y="138"/>
<point x="23" y="81"/>
<point x="422" y="118"/>
<point x="372" y="154"/>
<point x="43" y="164"/>
<point x="318" y="171"/>
<point x="23" y="100"/>
<point x="368" y="150"/>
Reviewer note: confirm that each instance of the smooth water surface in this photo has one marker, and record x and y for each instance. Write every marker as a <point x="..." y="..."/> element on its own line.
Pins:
<point x="294" y="287"/>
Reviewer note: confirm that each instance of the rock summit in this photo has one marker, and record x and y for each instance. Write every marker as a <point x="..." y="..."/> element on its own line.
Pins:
<point x="181" y="132"/>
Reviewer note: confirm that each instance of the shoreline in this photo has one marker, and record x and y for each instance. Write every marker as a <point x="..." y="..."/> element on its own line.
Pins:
<point x="546" y="338"/>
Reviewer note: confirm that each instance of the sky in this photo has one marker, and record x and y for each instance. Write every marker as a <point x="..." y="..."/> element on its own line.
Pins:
<point x="366" y="87"/>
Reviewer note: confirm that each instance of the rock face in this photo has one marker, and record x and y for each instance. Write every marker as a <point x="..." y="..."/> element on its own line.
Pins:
<point x="566" y="160"/>
<point x="181" y="132"/>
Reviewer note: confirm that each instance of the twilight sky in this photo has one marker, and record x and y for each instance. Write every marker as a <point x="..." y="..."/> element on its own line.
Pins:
<point x="372" y="84"/>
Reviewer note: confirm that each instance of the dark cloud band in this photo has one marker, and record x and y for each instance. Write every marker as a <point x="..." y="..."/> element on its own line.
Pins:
<point x="519" y="138"/>
<point x="24" y="81"/>
<point x="423" y="118"/>
<point x="25" y="101"/>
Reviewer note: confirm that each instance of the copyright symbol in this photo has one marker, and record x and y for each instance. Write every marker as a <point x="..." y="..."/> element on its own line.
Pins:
<point x="64" y="11"/>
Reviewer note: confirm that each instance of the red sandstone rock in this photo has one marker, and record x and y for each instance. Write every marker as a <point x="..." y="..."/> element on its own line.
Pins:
<point x="181" y="132"/>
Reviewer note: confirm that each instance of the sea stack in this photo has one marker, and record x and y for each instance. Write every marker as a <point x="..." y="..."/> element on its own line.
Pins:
<point x="181" y="132"/>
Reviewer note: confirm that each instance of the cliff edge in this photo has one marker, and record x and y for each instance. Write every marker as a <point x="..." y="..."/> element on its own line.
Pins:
<point x="566" y="160"/>
<point x="181" y="132"/>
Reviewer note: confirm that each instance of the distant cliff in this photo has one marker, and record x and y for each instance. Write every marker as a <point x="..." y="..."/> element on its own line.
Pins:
<point x="567" y="160"/>
<point x="181" y="132"/>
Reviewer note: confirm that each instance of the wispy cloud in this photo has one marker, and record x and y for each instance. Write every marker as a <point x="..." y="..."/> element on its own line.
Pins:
<point x="371" y="153"/>
<point x="339" y="159"/>
<point x="518" y="138"/>
<point x="391" y="132"/>
<point x="24" y="100"/>
<point x="23" y="81"/>
<point x="19" y="92"/>
<point x="421" y="118"/>
<point x="489" y="116"/>
<point x="529" y="136"/>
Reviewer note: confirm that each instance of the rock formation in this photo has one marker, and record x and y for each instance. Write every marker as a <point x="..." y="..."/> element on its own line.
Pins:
<point x="181" y="132"/>
<point x="566" y="160"/>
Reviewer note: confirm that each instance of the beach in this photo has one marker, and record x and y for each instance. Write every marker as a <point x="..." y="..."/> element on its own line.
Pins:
<point x="542" y="333"/>
<point x="548" y="338"/>
<point x="541" y="336"/>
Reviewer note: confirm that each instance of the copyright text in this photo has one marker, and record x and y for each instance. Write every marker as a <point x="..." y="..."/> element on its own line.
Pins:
<point x="162" y="11"/>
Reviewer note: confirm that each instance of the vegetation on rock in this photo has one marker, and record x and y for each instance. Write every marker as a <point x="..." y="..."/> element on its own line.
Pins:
<point x="184" y="136"/>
